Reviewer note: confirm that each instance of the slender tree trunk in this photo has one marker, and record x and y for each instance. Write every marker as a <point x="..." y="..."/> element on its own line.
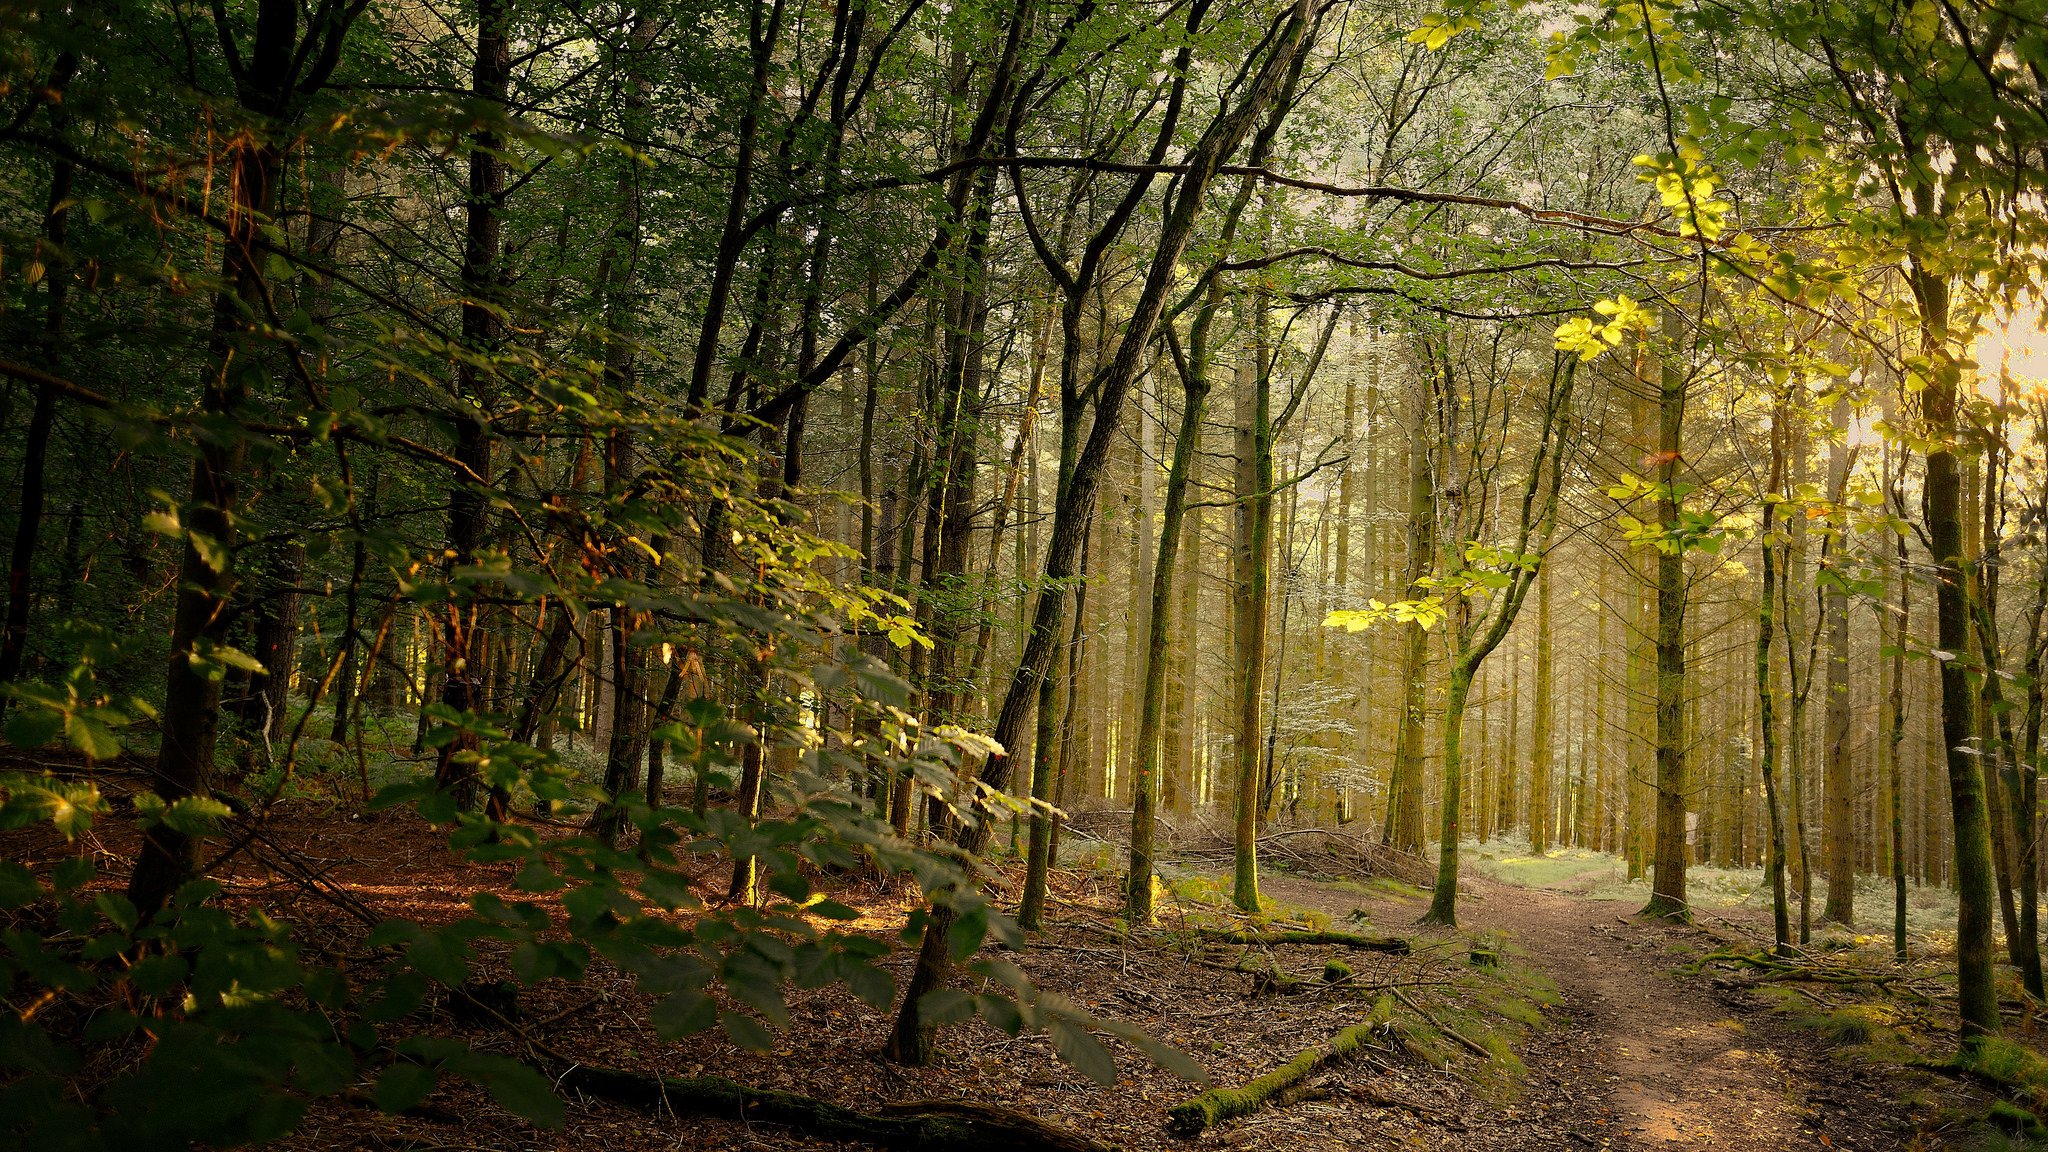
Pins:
<point x="1540" y="738"/>
<point x="1894" y="739"/>
<point x="1443" y="904"/>
<point x="1838" y="832"/>
<point x="1146" y="754"/>
<point x="911" y="1038"/>
<point x="1667" y="891"/>
<point x="468" y="513"/>
<point x="1978" y="998"/>
<point x="1404" y="791"/>
<point x="42" y="420"/>
<point x="1251" y="579"/>
<point x="1766" y="697"/>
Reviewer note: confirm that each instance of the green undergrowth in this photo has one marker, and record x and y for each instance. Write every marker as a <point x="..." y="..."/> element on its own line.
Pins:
<point x="1930" y="910"/>
<point x="2012" y="1066"/>
<point x="1496" y="1007"/>
<point x="1881" y="1030"/>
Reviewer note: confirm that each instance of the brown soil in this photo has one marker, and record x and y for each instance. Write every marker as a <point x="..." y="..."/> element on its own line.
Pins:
<point x="1641" y="1057"/>
<point x="1631" y="1058"/>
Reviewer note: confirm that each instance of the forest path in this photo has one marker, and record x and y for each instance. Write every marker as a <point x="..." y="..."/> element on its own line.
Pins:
<point x="1639" y="1056"/>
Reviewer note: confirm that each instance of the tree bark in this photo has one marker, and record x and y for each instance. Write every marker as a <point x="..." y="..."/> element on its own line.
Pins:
<point x="1404" y="789"/>
<point x="1667" y="890"/>
<point x="1540" y="737"/>
<point x="43" y="415"/>
<point x="273" y="75"/>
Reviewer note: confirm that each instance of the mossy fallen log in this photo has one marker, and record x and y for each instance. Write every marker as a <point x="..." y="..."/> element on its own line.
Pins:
<point x="916" y="1126"/>
<point x="1191" y="1116"/>
<point x="1393" y="945"/>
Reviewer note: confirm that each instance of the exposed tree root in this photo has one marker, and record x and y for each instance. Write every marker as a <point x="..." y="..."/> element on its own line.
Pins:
<point x="1191" y="1116"/>
<point x="1393" y="945"/>
<point x="917" y="1126"/>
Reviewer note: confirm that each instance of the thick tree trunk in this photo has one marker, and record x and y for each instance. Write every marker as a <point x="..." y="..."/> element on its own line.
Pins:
<point x="273" y="71"/>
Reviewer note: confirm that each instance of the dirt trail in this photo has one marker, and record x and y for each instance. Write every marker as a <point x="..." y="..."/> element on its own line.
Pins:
<point x="1639" y="1057"/>
<point x="1678" y="1062"/>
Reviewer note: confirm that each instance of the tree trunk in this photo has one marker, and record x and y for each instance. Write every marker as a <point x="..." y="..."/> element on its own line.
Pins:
<point x="43" y="416"/>
<point x="911" y="1038"/>
<point x="1977" y="993"/>
<point x="1250" y="578"/>
<point x="1404" y="790"/>
<point x="1894" y="738"/>
<point x="1667" y="891"/>
<point x="1766" y="696"/>
<point x="483" y="244"/>
<point x="1146" y="753"/>
<point x="1540" y="738"/>
<point x="1443" y="903"/>
<point x="273" y="72"/>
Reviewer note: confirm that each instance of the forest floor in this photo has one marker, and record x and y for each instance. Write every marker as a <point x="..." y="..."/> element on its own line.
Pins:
<point x="1602" y="1031"/>
<point x="1639" y="1054"/>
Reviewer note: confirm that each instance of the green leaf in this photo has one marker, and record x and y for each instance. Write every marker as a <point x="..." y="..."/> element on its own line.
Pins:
<point x="746" y="1031"/>
<point x="685" y="1014"/>
<point x="195" y="815"/>
<point x="945" y="1006"/>
<point x="91" y="737"/>
<point x="72" y="873"/>
<point x="1083" y="1051"/>
<point x="1001" y="1011"/>
<point x="30" y="727"/>
<point x="965" y="934"/>
<point x="18" y="886"/>
<point x="441" y="957"/>
<point x="1165" y="1055"/>
<point x="402" y="1087"/>
<point x="870" y="985"/>
<point x="517" y="1088"/>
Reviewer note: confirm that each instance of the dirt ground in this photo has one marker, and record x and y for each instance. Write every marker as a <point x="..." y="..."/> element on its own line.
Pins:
<point x="1637" y="1057"/>
<point x="1625" y="1054"/>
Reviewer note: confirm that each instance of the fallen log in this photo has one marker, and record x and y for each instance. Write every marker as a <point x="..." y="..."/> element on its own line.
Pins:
<point x="915" y="1126"/>
<point x="1393" y="945"/>
<point x="1191" y="1116"/>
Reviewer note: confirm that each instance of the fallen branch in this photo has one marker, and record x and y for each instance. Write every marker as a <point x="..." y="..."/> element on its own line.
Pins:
<point x="1464" y="1041"/>
<point x="1191" y="1116"/>
<point x="917" y="1126"/>
<point x="1393" y="945"/>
